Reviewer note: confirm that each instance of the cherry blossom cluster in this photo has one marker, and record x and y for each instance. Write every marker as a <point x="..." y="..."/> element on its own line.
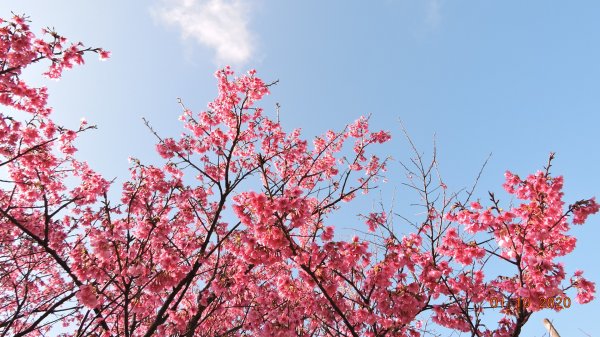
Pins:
<point x="529" y="237"/>
<point x="232" y="233"/>
<point x="37" y="279"/>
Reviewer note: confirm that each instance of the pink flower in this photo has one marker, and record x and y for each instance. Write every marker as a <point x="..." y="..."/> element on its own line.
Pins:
<point x="476" y="205"/>
<point x="585" y="289"/>
<point x="327" y="234"/>
<point x="584" y="208"/>
<point x="376" y="219"/>
<point x="87" y="296"/>
<point x="104" y="55"/>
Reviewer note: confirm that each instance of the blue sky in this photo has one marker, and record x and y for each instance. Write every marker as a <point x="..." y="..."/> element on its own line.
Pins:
<point x="513" y="78"/>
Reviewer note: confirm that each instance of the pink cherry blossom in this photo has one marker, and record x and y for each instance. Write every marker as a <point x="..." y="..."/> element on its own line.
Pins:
<point x="233" y="232"/>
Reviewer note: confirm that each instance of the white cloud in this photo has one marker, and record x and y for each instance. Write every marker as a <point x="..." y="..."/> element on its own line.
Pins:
<point x="218" y="24"/>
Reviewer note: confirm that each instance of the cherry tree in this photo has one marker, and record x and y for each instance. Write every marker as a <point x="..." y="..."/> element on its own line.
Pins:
<point x="232" y="235"/>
